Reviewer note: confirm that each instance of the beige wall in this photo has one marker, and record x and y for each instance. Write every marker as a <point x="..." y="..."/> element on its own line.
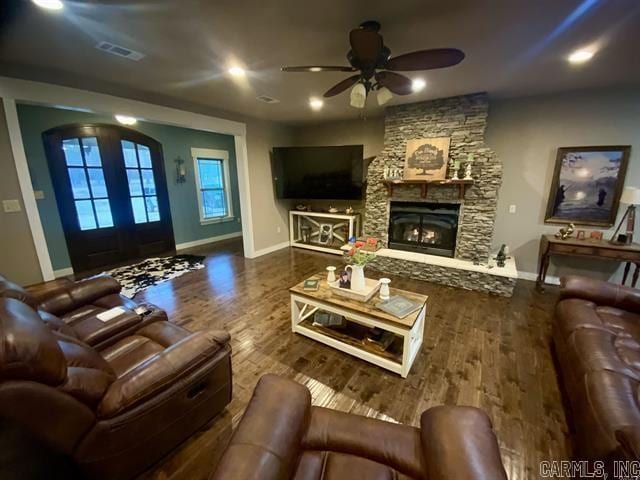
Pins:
<point x="269" y="215"/>
<point x="18" y="260"/>
<point x="526" y="134"/>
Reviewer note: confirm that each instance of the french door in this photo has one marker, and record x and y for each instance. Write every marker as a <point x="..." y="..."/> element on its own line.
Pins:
<point x="111" y="192"/>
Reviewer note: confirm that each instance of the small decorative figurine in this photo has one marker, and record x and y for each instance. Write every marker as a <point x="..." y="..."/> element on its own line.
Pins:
<point x="456" y="168"/>
<point x="467" y="169"/>
<point x="451" y="168"/>
<point x="333" y="209"/>
<point x="565" y="232"/>
<point x="501" y="256"/>
<point x="349" y="210"/>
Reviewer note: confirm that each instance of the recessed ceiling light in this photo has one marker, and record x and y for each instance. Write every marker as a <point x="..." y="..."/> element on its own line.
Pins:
<point x="315" y="103"/>
<point x="581" y="56"/>
<point x="237" y="71"/>
<point x="418" y="84"/>
<point x="315" y="69"/>
<point x="49" y="4"/>
<point x="126" y="120"/>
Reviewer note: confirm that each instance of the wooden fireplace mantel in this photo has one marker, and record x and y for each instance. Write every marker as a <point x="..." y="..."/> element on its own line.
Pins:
<point x="424" y="185"/>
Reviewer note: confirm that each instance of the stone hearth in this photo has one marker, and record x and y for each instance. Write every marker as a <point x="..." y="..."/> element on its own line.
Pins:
<point x="464" y="120"/>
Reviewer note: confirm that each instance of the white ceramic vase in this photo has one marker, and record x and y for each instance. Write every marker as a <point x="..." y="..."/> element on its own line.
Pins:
<point x="384" y="289"/>
<point x="357" y="277"/>
<point x="331" y="274"/>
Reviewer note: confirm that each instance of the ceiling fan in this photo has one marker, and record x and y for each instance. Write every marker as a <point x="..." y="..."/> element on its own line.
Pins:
<point x="371" y="58"/>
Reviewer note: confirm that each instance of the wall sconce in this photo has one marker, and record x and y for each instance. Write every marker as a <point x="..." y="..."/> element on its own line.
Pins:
<point x="181" y="172"/>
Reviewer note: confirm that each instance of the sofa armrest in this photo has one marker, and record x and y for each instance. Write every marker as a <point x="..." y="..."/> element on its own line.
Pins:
<point x="458" y="442"/>
<point x="76" y="294"/>
<point x="600" y="292"/>
<point x="629" y="440"/>
<point x="161" y="371"/>
<point x="267" y="442"/>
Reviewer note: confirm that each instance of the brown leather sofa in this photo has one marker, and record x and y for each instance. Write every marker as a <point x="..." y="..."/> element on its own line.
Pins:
<point x="114" y="409"/>
<point x="72" y="309"/>
<point x="596" y="337"/>
<point x="281" y="436"/>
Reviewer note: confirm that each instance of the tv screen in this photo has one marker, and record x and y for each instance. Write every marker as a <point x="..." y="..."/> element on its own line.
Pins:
<point x="330" y="173"/>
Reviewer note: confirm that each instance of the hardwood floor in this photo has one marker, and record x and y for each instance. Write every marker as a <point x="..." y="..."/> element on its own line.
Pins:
<point x="481" y="350"/>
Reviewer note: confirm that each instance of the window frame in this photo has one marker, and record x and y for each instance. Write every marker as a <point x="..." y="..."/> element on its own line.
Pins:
<point x="223" y="156"/>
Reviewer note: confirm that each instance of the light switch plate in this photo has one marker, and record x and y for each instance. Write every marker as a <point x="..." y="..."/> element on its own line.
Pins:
<point x="39" y="194"/>
<point x="11" y="206"/>
<point x="512" y="209"/>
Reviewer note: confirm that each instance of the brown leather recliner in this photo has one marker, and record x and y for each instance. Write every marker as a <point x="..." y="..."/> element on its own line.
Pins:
<point x="281" y="436"/>
<point x="596" y="336"/>
<point x="72" y="308"/>
<point x="114" y="410"/>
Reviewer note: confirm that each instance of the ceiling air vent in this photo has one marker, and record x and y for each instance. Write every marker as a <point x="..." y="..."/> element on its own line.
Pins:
<point x="267" y="99"/>
<point x="119" y="51"/>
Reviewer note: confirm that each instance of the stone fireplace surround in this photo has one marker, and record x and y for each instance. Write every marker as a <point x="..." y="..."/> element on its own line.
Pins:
<point x="464" y="120"/>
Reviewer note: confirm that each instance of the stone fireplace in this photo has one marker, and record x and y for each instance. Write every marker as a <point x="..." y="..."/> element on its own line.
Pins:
<point x="456" y="248"/>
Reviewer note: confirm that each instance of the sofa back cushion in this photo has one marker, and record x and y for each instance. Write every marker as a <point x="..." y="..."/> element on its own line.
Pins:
<point x="28" y="348"/>
<point x="8" y="289"/>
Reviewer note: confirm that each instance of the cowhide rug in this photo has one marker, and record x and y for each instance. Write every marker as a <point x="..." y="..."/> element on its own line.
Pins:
<point x="152" y="271"/>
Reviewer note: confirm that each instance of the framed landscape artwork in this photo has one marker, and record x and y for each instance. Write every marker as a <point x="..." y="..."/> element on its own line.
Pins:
<point x="586" y="186"/>
<point x="426" y="159"/>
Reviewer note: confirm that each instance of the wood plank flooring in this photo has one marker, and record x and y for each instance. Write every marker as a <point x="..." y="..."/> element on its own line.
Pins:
<point x="481" y="350"/>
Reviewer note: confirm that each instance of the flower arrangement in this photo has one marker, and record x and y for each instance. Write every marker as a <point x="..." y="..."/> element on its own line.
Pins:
<point x="359" y="255"/>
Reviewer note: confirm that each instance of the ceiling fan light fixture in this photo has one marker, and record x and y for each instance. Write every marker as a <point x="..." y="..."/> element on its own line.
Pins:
<point x="418" y="85"/>
<point x="315" y="103"/>
<point x="384" y="95"/>
<point x="358" y="96"/>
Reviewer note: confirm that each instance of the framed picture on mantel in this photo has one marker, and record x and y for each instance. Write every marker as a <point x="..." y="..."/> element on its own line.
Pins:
<point x="586" y="186"/>
<point x="426" y="159"/>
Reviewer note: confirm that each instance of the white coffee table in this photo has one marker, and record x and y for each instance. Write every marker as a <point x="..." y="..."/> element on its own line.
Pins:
<point x="360" y="318"/>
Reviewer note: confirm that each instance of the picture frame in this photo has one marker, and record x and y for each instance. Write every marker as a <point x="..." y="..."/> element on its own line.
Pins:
<point x="581" y="235"/>
<point x="426" y="158"/>
<point x="587" y="184"/>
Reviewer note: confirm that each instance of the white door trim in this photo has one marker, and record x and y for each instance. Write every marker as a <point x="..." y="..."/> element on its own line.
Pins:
<point x="14" y="90"/>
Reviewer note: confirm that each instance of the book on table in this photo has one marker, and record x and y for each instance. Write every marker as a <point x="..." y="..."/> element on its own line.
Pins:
<point x="399" y="306"/>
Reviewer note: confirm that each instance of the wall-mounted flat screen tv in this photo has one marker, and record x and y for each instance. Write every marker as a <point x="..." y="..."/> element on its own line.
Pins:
<point x="315" y="173"/>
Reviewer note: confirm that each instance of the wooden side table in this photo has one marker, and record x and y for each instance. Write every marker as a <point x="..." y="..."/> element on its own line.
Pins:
<point x="551" y="245"/>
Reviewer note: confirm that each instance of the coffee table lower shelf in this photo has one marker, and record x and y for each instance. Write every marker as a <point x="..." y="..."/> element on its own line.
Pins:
<point x="399" y="359"/>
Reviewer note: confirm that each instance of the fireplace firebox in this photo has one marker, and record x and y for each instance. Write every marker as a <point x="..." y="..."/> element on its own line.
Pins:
<point x="424" y="227"/>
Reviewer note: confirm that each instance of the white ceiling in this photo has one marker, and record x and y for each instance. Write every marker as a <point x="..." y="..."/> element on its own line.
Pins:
<point x="513" y="47"/>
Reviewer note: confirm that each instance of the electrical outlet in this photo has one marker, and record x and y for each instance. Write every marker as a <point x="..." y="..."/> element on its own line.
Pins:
<point x="39" y="194"/>
<point x="512" y="209"/>
<point x="11" y="206"/>
<point x="278" y="229"/>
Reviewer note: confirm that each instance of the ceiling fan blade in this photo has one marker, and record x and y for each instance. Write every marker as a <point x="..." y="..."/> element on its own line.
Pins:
<point x="366" y="46"/>
<point x="398" y="84"/>
<point x="342" y="86"/>
<point x="318" y="68"/>
<point x="425" y="59"/>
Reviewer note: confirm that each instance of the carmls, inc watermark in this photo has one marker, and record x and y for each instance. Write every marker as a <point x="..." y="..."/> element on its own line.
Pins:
<point x="582" y="469"/>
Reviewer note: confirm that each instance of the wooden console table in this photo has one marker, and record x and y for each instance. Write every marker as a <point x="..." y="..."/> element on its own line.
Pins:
<point x="551" y="245"/>
<point x="325" y="232"/>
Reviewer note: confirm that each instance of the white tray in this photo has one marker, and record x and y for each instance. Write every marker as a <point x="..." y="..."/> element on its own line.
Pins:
<point x="371" y="287"/>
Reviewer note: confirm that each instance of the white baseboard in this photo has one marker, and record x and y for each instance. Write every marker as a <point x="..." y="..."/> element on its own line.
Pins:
<point x="204" y="241"/>
<point x="534" y="276"/>
<point x="272" y="248"/>
<point x="63" y="272"/>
